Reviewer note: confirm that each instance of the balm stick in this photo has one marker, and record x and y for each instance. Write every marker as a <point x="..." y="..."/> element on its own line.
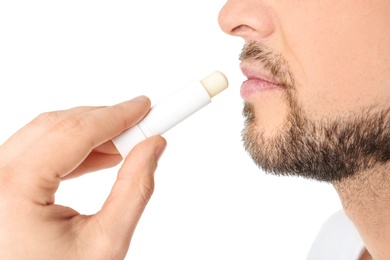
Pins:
<point x="171" y="111"/>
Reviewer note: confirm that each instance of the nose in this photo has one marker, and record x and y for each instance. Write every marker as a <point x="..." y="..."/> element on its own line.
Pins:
<point x="252" y="20"/>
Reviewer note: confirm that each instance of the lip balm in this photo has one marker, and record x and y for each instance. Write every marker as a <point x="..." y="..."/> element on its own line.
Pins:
<point x="172" y="110"/>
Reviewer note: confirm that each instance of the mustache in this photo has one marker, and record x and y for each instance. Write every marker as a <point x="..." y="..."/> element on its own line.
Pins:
<point x="261" y="56"/>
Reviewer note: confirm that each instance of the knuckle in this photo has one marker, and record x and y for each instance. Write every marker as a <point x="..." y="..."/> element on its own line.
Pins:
<point x="77" y="123"/>
<point x="110" y="247"/>
<point x="76" y="128"/>
<point x="146" y="189"/>
<point x="70" y="123"/>
<point x="9" y="187"/>
<point x="46" y="118"/>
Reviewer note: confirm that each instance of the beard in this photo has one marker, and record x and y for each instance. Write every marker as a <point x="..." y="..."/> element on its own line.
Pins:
<point x="329" y="149"/>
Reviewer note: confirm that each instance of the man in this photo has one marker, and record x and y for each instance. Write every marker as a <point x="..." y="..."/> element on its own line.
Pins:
<point x="317" y="99"/>
<point x="316" y="106"/>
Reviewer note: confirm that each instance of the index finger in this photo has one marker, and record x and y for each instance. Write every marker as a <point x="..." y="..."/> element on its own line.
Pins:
<point x="69" y="142"/>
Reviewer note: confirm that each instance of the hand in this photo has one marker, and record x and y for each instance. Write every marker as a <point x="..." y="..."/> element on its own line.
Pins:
<point x="66" y="144"/>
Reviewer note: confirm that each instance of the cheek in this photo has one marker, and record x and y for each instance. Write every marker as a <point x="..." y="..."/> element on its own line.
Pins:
<point x="335" y="87"/>
<point x="340" y="84"/>
<point x="340" y="63"/>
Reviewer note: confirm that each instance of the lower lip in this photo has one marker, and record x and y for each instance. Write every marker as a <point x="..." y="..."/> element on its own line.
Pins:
<point x="253" y="87"/>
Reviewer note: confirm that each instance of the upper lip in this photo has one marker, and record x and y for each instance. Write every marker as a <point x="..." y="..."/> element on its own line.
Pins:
<point x="252" y="71"/>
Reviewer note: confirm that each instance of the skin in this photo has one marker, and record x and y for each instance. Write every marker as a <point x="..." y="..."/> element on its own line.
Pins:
<point x="338" y="53"/>
<point x="338" y="56"/>
<point x="32" y="167"/>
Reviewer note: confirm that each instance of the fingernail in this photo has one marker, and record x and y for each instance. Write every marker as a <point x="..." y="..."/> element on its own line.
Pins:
<point x="160" y="148"/>
<point x="140" y="99"/>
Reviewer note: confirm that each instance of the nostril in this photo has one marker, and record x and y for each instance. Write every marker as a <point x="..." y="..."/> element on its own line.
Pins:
<point x="242" y="30"/>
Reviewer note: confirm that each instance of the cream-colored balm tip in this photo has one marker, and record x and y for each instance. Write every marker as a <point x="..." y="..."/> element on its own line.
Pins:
<point x="215" y="83"/>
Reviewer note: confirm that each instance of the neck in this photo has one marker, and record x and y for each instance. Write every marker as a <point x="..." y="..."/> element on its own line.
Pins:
<point x="365" y="198"/>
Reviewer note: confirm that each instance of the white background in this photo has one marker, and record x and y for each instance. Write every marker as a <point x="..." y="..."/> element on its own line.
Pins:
<point x="210" y="200"/>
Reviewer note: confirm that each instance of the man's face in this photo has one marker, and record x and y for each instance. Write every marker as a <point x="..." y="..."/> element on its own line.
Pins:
<point x="318" y="90"/>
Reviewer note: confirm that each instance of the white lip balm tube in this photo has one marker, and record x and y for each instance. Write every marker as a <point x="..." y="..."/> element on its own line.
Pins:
<point x="171" y="111"/>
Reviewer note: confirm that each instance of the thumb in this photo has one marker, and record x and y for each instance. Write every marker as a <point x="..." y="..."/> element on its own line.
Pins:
<point x="132" y="190"/>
